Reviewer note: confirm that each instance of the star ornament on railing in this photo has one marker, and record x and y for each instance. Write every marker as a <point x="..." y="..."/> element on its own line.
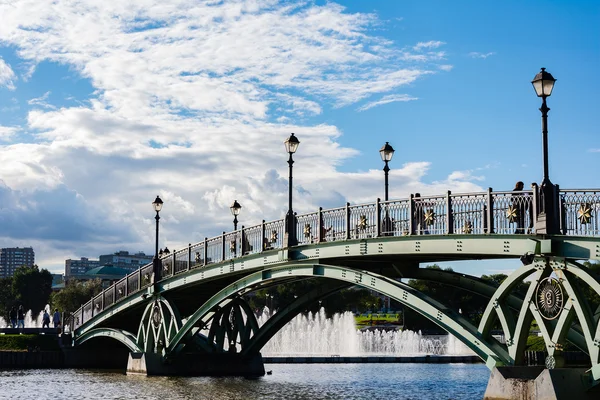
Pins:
<point x="429" y="217"/>
<point x="362" y="222"/>
<point x="232" y="246"/>
<point x="147" y="276"/>
<point x="584" y="214"/>
<point x="274" y="236"/>
<point x="307" y="230"/>
<point x="467" y="228"/>
<point x="511" y="214"/>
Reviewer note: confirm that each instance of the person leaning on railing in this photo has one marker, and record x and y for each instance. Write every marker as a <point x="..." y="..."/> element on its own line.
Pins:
<point x="519" y="207"/>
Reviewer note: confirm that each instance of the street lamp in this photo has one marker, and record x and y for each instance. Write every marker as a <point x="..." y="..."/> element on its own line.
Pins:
<point x="291" y="145"/>
<point x="157" y="205"/>
<point x="386" y="152"/>
<point x="235" y="210"/>
<point x="543" y="83"/>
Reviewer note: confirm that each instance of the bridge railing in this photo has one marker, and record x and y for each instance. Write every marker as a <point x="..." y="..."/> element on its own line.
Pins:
<point x="579" y="212"/>
<point x="459" y="214"/>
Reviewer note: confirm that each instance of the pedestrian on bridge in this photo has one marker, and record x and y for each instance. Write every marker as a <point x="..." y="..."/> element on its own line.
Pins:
<point x="518" y="203"/>
<point x="56" y="318"/>
<point x="13" y="317"/>
<point x="21" y="317"/>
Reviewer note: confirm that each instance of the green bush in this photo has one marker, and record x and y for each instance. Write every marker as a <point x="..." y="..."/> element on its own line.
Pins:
<point x="25" y="342"/>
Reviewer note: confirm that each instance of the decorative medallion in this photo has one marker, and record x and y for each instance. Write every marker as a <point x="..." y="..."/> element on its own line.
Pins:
<point x="467" y="228"/>
<point x="166" y="267"/>
<point x="429" y="217"/>
<point x="232" y="246"/>
<point x="198" y="258"/>
<point x="550" y="362"/>
<point x="156" y="316"/>
<point x="120" y="291"/>
<point x="362" y="222"/>
<point x="549" y="298"/>
<point x="97" y="306"/>
<point x="147" y="276"/>
<point x="307" y="230"/>
<point x="511" y="214"/>
<point x="274" y="236"/>
<point x="584" y="214"/>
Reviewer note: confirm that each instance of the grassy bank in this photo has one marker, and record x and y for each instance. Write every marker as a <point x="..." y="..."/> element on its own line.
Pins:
<point x="28" y="342"/>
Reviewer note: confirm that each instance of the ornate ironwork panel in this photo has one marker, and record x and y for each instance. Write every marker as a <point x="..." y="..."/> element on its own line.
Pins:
<point x="395" y="218"/>
<point x="167" y="266"/>
<point x="334" y="224"/>
<point x="307" y="228"/>
<point x="254" y="239"/>
<point x="233" y="245"/>
<point x="274" y="232"/>
<point x="214" y="250"/>
<point x="147" y="271"/>
<point x="580" y="209"/>
<point x="513" y="212"/>
<point x="197" y="255"/>
<point x="469" y="213"/>
<point x="87" y="311"/>
<point x="363" y="221"/>
<point x="181" y="261"/>
<point x="430" y="215"/>
<point x="132" y="283"/>
<point x="120" y="288"/>
<point x="109" y="297"/>
<point x="97" y="304"/>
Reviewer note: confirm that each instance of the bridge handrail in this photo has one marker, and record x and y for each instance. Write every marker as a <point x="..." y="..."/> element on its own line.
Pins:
<point x="451" y="213"/>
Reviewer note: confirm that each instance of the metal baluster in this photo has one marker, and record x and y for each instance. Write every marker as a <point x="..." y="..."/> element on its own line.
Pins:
<point x="490" y="212"/>
<point x="347" y="221"/>
<point x="449" y="215"/>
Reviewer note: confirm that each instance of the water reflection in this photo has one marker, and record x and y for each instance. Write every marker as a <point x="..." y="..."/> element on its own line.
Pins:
<point x="298" y="381"/>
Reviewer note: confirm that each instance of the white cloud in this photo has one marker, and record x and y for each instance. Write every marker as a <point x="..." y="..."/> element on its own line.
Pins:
<point x="446" y="67"/>
<point x="41" y="101"/>
<point x="7" y="76"/>
<point x="387" y="99"/>
<point x="432" y="44"/>
<point x="7" y="132"/>
<point x="475" y="54"/>
<point x="594" y="150"/>
<point x="192" y="101"/>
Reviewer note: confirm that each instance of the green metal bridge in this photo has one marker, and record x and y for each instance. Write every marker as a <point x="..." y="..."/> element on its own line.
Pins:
<point x="191" y="305"/>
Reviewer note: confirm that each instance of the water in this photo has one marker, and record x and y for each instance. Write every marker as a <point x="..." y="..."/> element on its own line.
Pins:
<point x="288" y="381"/>
<point x="317" y="335"/>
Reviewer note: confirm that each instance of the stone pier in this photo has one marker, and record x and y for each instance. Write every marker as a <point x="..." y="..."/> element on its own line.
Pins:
<point x="193" y="364"/>
<point x="539" y="383"/>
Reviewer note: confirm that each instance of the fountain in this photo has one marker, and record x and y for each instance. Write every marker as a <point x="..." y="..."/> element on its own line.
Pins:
<point x="317" y="335"/>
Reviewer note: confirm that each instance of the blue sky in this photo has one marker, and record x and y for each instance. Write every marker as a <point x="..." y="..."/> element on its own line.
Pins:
<point x="103" y="106"/>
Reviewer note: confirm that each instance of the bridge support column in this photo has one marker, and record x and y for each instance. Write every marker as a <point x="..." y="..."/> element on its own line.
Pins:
<point x="524" y="383"/>
<point x="197" y="364"/>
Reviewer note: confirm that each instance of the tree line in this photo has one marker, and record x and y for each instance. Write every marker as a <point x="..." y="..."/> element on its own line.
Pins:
<point x="31" y="287"/>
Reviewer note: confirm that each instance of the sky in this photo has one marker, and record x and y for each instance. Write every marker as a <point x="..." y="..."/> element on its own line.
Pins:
<point x="105" y="105"/>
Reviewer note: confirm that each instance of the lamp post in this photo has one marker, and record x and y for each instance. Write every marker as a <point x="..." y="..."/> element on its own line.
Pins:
<point x="235" y="211"/>
<point x="291" y="145"/>
<point x="386" y="152"/>
<point x="157" y="205"/>
<point x="543" y="83"/>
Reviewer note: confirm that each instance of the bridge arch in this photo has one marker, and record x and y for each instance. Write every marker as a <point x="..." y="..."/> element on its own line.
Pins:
<point x="122" y="336"/>
<point x="492" y="353"/>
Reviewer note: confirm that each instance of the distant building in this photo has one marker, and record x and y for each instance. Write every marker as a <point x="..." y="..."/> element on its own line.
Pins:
<point x="107" y="274"/>
<point x="75" y="268"/>
<point x="12" y="258"/>
<point x="122" y="259"/>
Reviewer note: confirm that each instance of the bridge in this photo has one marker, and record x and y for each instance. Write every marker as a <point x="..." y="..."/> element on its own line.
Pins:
<point x="186" y="314"/>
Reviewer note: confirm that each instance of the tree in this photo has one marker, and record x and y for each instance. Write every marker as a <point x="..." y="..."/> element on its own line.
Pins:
<point x="32" y="287"/>
<point x="75" y="294"/>
<point x="7" y="297"/>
